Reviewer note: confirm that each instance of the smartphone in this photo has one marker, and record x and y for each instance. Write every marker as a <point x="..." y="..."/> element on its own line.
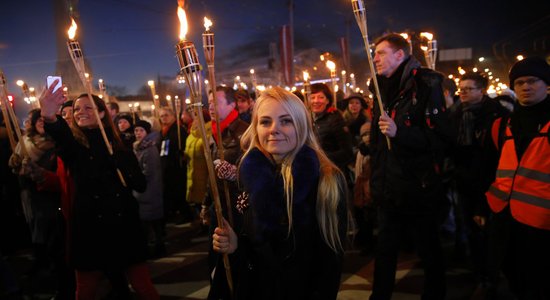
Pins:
<point x="51" y="79"/>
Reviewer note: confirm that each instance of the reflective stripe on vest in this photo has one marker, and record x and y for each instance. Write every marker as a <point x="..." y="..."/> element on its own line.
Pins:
<point x="525" y="185"/>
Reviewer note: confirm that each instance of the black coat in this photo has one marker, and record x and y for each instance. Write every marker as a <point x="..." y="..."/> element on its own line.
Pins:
<point x="334" y="137"/>
<point x="407" y="178"/>
<point x="106" y="232"/>
<point x="174" y="168"/>
<point x="273" y="264"/>
<point x="473" y="165"/>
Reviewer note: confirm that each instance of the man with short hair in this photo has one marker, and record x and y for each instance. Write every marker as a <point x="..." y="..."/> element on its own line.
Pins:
<point x="472" y="120"/>
<point x="519" y="197"/>
<point x="231" y="128"/>
<point x="405" y="181"/>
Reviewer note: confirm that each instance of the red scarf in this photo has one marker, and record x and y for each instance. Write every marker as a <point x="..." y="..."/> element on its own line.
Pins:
<point x="233" y="115"/>
<point x="166" y="128"/>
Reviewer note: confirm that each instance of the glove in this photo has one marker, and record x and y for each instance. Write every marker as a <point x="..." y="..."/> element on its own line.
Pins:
<point x="225" y="170"/>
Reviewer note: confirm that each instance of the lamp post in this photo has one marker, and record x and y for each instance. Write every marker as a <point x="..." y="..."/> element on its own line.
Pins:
<point x="332" y="67"/>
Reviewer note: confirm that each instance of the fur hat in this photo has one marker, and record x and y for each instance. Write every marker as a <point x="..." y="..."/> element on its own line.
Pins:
<point x="531" y="66"/>
<point x="143" y="124"/>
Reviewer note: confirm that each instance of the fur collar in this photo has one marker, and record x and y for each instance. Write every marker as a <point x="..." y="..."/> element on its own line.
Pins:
<point x="261" y="179"/>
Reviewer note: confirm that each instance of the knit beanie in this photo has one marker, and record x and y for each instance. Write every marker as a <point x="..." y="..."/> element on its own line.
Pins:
<point x="125" y="116"/>
<point x="143" y="124"/>
<point x="68" y="103"/>
<point x="531" y="66"/>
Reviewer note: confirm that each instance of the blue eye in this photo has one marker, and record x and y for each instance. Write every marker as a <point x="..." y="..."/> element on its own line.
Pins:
<point x="286" y="121"/>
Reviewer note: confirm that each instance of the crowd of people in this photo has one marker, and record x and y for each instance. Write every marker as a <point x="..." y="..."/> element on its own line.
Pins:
<point x="300" y="181"/>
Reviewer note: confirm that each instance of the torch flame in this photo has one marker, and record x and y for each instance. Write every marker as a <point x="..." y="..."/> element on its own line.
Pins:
<point x="331" y="65"/>
<point x="72" y="29"/>
<point x="305" y="75"/>
<point x="207" y="23"/>
<point x="183" y="23"/>
<point x="427" y="35"/>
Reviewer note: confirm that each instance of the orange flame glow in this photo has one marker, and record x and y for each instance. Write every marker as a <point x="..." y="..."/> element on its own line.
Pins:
<point x="183" y="23"/>
<point x="427" y="35"/>
<point x="72" y="29"/>
<point x="207" y="23"/>
<point x="331" y="65"/>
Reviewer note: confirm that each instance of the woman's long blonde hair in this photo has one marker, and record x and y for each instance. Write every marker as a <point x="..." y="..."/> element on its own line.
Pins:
<point x="331" y="188"/>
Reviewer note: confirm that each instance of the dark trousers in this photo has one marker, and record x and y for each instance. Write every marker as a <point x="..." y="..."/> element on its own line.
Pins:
<point x="521" y="253"/>
<point x="467" y="231"/>
<point x="424" y="229"/>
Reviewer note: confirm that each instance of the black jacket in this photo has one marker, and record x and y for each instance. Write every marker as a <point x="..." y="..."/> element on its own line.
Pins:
<point x="334" y="137"/>
<point x="271" y="263"/>
<point x="407" y="178"/>
<point x="106" y="232"/>
<point x="174" y="169"/>
<point x="472" y="124"/>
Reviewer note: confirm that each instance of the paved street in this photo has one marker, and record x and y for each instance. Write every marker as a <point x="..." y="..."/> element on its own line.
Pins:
<point x="182" y="274"/>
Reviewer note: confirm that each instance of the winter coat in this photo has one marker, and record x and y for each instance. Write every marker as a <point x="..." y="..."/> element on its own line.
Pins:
<point x="334" y="137"/>
<point x="231" y="139"/>
<point x="197" y="171"/>
<point x="150" y="201"/>
<point x="106" y="231"/>
<point x="407" y="178"/>
<point x="173" y="166"/>
<point x="473" y="167"/>
<point x="271" y="262"/>
<point x="41" y="208"/>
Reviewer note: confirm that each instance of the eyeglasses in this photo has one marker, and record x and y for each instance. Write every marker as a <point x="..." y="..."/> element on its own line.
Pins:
<point x="529" y="81"/>
<point x="467" y="89"/>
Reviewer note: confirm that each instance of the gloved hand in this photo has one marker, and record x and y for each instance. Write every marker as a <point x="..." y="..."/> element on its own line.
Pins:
<point x="225" y="170"/>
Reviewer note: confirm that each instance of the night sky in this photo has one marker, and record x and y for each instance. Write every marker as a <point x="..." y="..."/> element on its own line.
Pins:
<point x="131" y="41"/>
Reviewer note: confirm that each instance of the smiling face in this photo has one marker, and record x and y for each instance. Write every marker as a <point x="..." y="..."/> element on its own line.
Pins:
<point x="318" y="102"/>
<point x="84" y="113"/>
<point x="276" y="129"/>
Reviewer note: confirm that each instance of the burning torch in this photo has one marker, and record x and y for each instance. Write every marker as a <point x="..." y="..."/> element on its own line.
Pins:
<point x="190" y="67"/>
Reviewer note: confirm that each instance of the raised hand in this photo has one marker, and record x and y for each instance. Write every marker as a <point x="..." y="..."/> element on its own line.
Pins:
<point x="50" y="102"/>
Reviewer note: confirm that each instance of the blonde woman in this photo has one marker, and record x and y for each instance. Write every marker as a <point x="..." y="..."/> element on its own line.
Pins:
<point x="293" y="207"/>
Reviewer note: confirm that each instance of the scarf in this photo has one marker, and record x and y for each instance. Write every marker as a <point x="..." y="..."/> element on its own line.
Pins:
<point x="233" y="115"/>
<point x="466" y="127"/>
